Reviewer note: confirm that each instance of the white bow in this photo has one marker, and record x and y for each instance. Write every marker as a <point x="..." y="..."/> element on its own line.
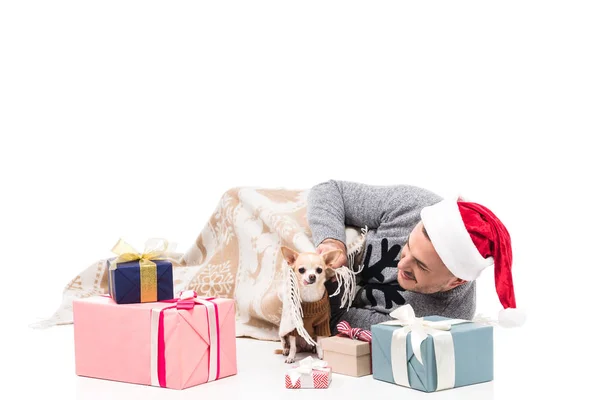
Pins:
<point x="420" y="328"/>
<point x="306" y="367"/>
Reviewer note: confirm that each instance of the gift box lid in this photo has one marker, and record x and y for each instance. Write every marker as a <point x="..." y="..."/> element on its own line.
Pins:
<point x="345" y="345"/>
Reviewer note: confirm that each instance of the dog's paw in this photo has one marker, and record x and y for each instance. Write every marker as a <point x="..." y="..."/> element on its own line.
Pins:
<point x="285" y="352"/>
<point x="289" y="360"/>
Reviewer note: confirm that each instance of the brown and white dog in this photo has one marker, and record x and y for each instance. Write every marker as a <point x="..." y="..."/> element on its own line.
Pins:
<point x="311" y="271"/>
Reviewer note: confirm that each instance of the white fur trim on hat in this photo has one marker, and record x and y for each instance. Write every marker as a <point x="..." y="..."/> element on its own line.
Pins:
<point x="452" y="241"/>
<point x="511" y="318"/>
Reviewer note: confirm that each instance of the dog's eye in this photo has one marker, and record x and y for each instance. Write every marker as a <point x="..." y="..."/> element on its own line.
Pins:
<point x="301" y="270"/>
<point x="319" y="270"/>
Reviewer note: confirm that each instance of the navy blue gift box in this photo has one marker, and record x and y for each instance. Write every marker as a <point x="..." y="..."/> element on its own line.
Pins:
<point x="130" y="282"/>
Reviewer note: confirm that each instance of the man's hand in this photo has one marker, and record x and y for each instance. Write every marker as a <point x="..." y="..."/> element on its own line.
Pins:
<point x="333" y="244"/>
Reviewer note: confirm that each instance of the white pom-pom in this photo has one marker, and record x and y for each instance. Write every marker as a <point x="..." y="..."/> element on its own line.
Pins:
<point x="511" y="318"/>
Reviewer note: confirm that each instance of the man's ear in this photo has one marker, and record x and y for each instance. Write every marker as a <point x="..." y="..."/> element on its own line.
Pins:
<point x="330" y="256"/>
<point x="290" y="255"/>
<point x="456" y="282"/>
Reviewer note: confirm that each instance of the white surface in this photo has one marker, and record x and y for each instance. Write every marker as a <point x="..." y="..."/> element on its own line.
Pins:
<point x="527" y="362"/>
<point x="259" y="371"/>
<point x="104" y="104"/>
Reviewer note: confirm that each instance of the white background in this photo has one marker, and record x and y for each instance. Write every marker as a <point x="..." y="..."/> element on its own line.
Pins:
<point x="131" y="118"/>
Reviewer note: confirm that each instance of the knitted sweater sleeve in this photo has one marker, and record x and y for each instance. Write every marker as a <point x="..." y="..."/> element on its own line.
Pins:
<point x="333" y="204"/>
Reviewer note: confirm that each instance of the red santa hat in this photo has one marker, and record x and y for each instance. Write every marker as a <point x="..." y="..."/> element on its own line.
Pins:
<point x="468" y="237"/>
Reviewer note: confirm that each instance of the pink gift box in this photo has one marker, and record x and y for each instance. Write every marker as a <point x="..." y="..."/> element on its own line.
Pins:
<point x="155" y="344"/>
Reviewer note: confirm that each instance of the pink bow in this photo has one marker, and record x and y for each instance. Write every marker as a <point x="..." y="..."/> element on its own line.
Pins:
<point x="345" y="329"/>
<point x="186" y="300"/>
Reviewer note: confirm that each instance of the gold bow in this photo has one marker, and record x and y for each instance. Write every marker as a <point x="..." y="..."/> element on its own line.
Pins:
<point x="154" y="250"/>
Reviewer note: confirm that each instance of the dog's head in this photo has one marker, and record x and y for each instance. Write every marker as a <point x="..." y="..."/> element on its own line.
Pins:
<point x="311" y="268"/>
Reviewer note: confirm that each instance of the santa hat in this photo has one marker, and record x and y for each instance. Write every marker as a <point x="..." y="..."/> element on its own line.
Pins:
<point x="468" y="237"/>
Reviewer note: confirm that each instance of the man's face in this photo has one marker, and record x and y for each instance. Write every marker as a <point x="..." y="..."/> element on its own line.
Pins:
<point x="420" y="268"/>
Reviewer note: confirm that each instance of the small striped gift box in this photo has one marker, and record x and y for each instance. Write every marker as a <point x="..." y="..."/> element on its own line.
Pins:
<point x="309" y="374"/>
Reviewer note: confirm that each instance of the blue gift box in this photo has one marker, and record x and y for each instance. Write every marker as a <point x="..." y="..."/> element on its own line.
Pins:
<point x="125" y="286"/>
<point x="473" y="356"/>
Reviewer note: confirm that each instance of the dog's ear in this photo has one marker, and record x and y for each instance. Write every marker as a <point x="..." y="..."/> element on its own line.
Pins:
<point x="290" y="255"/>
<point x="330" y="256"/>
<point x="329" y="273"/>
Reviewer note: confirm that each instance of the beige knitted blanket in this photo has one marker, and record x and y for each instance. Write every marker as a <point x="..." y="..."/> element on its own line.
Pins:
<point x="236" y="255"/>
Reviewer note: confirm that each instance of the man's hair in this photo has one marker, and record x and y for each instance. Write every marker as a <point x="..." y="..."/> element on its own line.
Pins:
<point x="426" y="234"/>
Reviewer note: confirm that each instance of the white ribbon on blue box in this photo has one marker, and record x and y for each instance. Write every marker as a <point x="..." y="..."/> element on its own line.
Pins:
<point x="432" y="353"/>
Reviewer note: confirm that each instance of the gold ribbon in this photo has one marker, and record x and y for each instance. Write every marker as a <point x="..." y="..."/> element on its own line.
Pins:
<point x="154" y="250"/>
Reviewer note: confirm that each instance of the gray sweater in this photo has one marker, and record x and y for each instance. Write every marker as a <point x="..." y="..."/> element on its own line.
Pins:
<point x="390" y="213"/>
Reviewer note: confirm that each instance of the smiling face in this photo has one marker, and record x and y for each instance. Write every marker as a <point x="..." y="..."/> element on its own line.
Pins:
<point x="420" y="268"/>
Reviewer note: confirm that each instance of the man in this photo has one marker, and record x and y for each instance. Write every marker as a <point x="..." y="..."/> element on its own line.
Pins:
<point x="419" y="250"/>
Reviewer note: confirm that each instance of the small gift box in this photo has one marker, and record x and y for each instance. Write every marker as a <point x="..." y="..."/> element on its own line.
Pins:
<point x="309" y="374"/>
<point x="431" y="353"/>
<point x="175" y="344"/>
<point x="140" y="277"/>
<point x="349" y="353"/>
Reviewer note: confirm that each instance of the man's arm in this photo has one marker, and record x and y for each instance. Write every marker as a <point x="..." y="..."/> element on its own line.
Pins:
<point x="334" y="204"/>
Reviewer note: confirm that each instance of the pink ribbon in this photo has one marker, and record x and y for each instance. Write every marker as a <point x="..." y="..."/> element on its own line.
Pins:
<point x="188" y="300"/>
<point x="344" y="329"/>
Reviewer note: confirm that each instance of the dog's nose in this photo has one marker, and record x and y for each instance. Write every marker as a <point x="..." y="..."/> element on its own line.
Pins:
<point x="312" y="278"/>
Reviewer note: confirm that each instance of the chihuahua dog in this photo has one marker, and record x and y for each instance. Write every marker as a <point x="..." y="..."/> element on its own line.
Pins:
<point x="311" y="271"/>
